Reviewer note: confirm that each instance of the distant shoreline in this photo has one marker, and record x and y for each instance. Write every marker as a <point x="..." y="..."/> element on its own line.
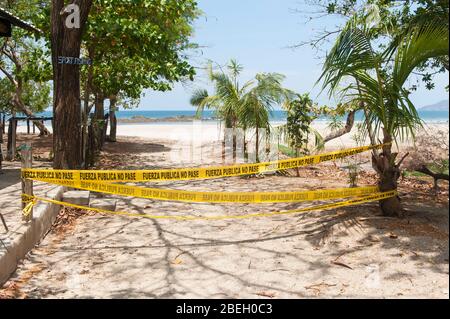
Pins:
<point x="183" y="119"/>
<point x="171" y="117"/>
<point x="140" y="119"/>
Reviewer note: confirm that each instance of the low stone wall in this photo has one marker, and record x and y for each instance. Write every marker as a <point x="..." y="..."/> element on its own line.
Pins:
<point x="31" y="234"/>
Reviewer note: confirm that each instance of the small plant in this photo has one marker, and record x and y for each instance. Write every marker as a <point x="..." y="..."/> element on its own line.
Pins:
<point x="354" y="162"/>
<point x="300" y="114"/>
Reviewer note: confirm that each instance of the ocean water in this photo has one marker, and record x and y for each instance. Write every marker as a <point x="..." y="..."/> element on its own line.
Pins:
<point x="276" y="116"/>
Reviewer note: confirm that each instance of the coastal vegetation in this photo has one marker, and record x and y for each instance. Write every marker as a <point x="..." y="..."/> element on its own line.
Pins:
<point x="155" y="58"/>
<point x="245" y="106"/>
<point x="301" y="112"/>
<point x="378" y="50"/>
<point x="377" y="84"/>
<point x="25" y="70"/>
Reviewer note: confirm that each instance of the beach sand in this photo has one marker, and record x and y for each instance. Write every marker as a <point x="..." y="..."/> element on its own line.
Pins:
<point x="210" y="131"/>
<point x="340" y="253"/>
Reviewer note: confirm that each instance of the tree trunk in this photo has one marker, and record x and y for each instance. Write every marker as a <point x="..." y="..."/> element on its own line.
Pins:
<point x="245" y="145"/>
<point x="99" y="115"/>
<point x="113" y="119"/>
<point x="234" y="145"/>
<point x="90" y="149"/>
<point x="297" y="169"/>
<point x="3" y="120"/>
<point x="1" y="142"/>
<point x="86" y="111"/>
<point x="11" y="144"/>
<point x="257" y="144"/>
<point x="66" y="42"/>
<point x="389" y="173"/>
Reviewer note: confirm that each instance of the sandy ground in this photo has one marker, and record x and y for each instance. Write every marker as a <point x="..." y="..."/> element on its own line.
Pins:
<point x="208" y="131"/>
<point x="344" y="253"/>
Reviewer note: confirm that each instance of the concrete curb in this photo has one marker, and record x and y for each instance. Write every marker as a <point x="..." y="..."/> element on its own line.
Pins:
<point x="30" y="235"/>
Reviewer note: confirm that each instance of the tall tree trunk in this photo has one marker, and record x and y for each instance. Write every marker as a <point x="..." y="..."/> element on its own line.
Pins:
<point x="3" y="121"/>
<point x="66" y="42"/>
<point x="99" y="116"/>
<point x="245" y="145"/>
<point x="112" y="118"/>
<point x="297" y="154"/>
<point x="389" y="173"/>
<point x="1" y="141"/>
<point x="86" y="111"/>
<point x="257" y="144"/>
<point x="11" y="143"/>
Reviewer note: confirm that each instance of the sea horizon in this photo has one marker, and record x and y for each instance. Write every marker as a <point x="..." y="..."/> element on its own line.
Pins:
<point x="208" y="115"/>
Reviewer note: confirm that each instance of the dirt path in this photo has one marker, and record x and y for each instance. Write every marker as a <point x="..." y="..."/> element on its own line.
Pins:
<point x="347" y="252"/>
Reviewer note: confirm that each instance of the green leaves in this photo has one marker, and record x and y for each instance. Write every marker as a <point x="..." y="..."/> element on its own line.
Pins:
<point x="298" y="127"/>
<point x="140" y="44"/>
<point x="424" y="39"/>
<point x="25" y="61"/>
<point x="374" y="80"/>
<point x="246" y="106"/>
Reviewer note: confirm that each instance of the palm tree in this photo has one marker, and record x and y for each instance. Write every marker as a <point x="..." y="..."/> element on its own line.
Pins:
<point x="259" y="102"/>
<point x="246" y="106"/>
<point x="228" y="97"/>
<point x="376" y="82"/>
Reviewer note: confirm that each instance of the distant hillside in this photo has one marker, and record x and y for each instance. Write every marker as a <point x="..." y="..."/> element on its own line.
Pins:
<point x="440" y="106"/>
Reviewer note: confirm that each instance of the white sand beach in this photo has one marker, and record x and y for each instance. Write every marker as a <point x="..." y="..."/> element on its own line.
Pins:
<point x="202" y="132"/>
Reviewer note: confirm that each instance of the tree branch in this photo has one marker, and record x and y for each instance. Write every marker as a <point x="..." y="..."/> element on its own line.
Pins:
<point x="346" y="129"/>
<point x="437" y="176"/>
<point x="403" y="159"/>
<point x="9" y="76"/>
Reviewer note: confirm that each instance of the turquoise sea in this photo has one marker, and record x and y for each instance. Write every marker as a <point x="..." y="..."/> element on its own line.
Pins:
<point x="277" y="116"/>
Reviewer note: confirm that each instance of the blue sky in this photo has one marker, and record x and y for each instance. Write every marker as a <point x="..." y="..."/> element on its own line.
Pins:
<point x="258" y="33"/>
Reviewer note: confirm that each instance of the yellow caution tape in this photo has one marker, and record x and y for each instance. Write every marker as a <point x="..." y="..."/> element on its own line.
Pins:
<point x="188" y="173"/>
<point x="216" y="197"/>
<point x="352" y="202"/>
<point x="27" y="210"/>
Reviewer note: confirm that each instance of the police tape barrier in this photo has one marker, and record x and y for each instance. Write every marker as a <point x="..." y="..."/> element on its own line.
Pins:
<point x="352" y="202"/>
<point x="217" y="197"/>
<point x="188" y="173"/>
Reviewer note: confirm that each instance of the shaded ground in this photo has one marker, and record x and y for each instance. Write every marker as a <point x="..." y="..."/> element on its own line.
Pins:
<point x="10" y="185"/>
<point x="346" y="252"/>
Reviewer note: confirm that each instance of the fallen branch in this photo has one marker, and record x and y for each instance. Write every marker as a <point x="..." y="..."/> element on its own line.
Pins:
<point x="436" y="176"/>
<point x="425" y="170"/>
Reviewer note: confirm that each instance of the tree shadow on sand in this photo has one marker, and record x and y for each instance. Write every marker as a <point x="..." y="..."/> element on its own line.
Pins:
<point x="420" y="232"/>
